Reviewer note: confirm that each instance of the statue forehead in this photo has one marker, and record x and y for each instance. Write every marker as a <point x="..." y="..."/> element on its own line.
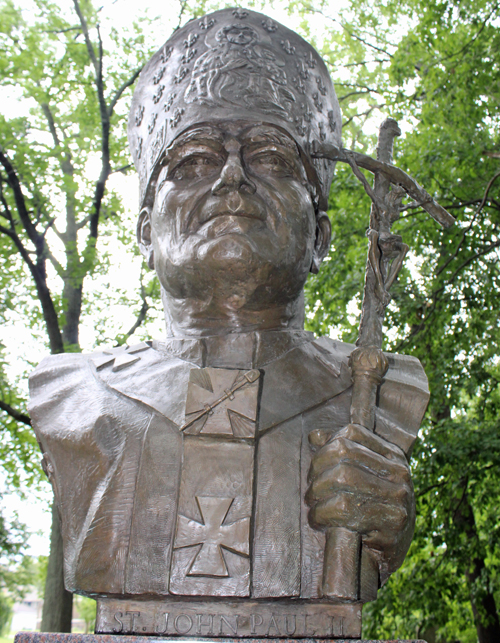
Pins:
<point x="245" y="131"/>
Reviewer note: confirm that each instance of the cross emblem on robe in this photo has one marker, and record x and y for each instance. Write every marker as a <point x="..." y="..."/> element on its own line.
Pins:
<point x="213" y="536"/>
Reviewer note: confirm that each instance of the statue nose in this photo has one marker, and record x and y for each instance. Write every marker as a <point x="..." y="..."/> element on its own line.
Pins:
<point x="233" y="178"/>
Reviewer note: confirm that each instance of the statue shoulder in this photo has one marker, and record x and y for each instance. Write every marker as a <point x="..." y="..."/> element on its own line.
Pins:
<point x="403" y="394"/>
<point x="68" y="367"/>
<point x="62" y="384"/>
<point x="405" y="370"/>
<point x="333" y="350"/>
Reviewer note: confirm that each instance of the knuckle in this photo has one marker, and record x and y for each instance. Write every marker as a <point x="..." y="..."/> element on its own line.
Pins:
<point x="342" y="503"/>
<point x="403" y="493"/>
<point x="342" y="448"/>
<point x="341" y="474"/>
<point x="400" y="518"/>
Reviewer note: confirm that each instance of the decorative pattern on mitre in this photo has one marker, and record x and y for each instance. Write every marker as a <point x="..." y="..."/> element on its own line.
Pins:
<point x="232" y="64"/>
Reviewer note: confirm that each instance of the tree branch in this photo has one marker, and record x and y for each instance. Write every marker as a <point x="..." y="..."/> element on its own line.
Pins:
<point x="141" y="317"/>
<point x="37" y="269"/>
<point x="85" y="30"/>
<point x="367" y="113"/>
<point x="62" y="30"/>
<point x="488" y="187"/>
<point x="353" y="35"/>
<point x="183" y="4"/>
<point x="17" y="415"/>
<point x="50" y="120"/>
<point x="15" y="185"/>
<point x="121" y="89"/>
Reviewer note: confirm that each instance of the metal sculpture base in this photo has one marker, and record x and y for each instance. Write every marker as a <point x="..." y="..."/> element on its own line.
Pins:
<point x="243" y="618"/>
<point x="45" y="637"/>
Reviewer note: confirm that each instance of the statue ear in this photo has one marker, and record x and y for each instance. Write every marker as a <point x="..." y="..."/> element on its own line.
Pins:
<point x="144" y="237"/>
<point x="322" y="243"/>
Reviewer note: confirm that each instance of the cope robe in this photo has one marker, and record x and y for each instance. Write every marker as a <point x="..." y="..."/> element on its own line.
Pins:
<point x="137" y="495"/>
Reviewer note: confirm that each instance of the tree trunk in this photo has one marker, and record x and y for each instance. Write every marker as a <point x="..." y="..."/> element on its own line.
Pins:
<point x="57" y="603"/>
<point x="482" y="600"/>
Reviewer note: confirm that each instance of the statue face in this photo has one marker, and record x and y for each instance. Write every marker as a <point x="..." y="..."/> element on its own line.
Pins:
<point x="233" y="222"/>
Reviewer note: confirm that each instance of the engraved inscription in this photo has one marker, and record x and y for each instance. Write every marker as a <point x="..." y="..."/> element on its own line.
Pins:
<point x="194" y="620"/>
<point x="200" y="625"/>
<point x="183" y="623"/>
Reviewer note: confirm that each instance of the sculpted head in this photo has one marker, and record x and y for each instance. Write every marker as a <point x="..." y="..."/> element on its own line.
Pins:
<point x="232" y="201"/>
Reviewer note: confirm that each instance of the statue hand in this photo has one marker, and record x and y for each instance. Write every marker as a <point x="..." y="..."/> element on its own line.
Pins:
<point x="359" y="481"/>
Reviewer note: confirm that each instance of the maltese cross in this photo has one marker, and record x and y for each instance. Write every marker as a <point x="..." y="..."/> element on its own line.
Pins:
<point x="213" y="536"/>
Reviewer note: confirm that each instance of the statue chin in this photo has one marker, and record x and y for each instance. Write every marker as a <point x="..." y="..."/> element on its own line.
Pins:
<point x="232" y="250"/>
<point x="246" y="270"/>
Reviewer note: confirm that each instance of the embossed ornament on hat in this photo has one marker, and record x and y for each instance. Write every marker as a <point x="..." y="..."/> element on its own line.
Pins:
<point x="229" y="65"/>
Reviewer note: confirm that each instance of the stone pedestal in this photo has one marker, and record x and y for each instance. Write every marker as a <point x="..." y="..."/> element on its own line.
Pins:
<point x="46" y="637"/>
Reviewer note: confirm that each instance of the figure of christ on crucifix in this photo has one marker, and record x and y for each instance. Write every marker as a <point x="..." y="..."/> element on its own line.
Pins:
<point x="187" y="483"/>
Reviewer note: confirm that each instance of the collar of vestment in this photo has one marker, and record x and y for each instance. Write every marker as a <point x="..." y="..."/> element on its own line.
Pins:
<point x="234" y="350"/>
<point x="299" y="371"/>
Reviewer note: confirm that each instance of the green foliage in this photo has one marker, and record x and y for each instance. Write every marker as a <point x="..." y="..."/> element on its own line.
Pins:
<point x="86" y="610"/>
<point x="440" y="78"/>
<point x="60" y="152"/>
<point x="16" y="569"/>
<point x="431" y="64"/>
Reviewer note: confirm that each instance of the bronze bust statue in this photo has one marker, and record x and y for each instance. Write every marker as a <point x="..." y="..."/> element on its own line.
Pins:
<point x="196" y="476"/>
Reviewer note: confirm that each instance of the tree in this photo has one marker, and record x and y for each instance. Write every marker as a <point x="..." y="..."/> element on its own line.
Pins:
<point x="52" y="211"/>
<point x="433" y="66"/>
<point x="16" y="570"/>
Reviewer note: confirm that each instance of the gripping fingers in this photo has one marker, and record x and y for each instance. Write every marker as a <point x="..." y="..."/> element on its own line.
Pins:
<point x="349" y="477"/>
<point x="359" y="513"/>
<point x="341" y="449"/>
<point x="360" y="435"/>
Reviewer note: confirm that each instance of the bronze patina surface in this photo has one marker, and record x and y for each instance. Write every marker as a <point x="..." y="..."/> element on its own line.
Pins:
<point x="197" y="477"/>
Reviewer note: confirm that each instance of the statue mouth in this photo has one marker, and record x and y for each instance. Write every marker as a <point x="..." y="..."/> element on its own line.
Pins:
<point x="227" y="223"/>
<point x="236" y="215"/>
<point x="233" y="206"/>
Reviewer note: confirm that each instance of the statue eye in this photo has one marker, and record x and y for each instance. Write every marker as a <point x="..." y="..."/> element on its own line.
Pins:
<point x="271" y="163"/>
<point x="196" y="166"/>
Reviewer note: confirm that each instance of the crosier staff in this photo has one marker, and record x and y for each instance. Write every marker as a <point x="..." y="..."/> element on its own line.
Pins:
<point x="349" y="571"/>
